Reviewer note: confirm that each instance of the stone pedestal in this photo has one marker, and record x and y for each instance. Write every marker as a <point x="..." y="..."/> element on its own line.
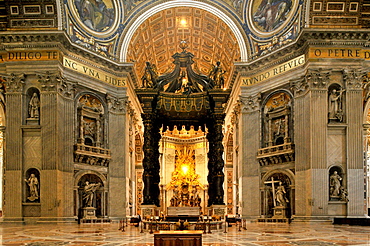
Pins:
<point x="88" y="213"/>
<point x="148" y="211"/>
<point x="32" y="121"/>
<point x="218" y="210"/>
<point x="279" y="212"/>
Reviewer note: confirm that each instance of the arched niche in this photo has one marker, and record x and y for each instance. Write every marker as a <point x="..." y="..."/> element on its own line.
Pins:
<point x="269" y="184"/>
<point x="32" y="185"/>
<point x="100" y="197"/>
<point x="337" y="187"/>
<point x="336" y="103"/>
<point x="33" y="106"/>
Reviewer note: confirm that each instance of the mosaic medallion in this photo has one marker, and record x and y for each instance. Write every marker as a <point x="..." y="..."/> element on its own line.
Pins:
<point x="269" y="16"/>
<point x="95" y="16"/>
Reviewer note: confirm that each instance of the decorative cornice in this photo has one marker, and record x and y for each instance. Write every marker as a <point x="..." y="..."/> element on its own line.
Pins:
<point x="308" y="37"/>
<point x="60" y="40"/>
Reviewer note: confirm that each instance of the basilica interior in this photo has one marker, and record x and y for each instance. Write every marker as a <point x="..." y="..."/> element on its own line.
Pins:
<point x="184" y="113"/>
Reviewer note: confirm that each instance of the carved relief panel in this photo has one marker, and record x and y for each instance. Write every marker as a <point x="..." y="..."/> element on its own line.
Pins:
<point x="90" y="147"/>
<point x="277" y="130"/>
<point x="91" y="120"/>
<point x="276" y="118"/>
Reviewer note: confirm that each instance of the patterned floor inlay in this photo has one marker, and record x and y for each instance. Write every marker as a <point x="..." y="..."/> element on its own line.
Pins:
<point x="302" y="234"/>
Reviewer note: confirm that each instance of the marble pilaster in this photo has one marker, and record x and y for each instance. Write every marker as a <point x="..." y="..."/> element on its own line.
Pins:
<point x="118" y="145"/>
<point x="250" y="133"/>
<point x="353" y="80"/>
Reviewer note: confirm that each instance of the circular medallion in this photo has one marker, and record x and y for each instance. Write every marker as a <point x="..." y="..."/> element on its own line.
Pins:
<point x="96" y="16"/>
<point x="267" y="17"/>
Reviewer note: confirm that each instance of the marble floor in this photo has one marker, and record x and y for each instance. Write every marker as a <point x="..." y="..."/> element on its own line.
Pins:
<point x="255" y="234"/>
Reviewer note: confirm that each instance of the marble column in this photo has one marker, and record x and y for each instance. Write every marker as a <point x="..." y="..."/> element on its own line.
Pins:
<point x="151" y="164"/>
<point x="216" y="163"/>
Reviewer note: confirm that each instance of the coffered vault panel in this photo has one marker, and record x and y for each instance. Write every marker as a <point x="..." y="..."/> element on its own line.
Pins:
<point x="208" y="38"/>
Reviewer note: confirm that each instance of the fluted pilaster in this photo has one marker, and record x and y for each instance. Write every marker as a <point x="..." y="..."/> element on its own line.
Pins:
<point x="250" y="138"/>
<point x="355" y="183"/>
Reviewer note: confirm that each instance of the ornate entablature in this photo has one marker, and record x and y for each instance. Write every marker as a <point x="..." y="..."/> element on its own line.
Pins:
<point x="90" y="148"/>
<point x="277" y="144"/>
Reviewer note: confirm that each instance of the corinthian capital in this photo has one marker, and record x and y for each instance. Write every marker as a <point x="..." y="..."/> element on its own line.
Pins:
<point x="14" y="82"/>
<point x="318" y="78"/>
<point x="66" y="89"/>
<point x="117" y="105"/>
<point x="353" y="78"/>
<point x="49" y="81"/>
<point x="299" y="86"/>
<point x="250" y="103"/>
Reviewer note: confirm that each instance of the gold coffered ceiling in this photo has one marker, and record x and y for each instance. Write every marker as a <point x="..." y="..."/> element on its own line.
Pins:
<point x="208" y="38"/>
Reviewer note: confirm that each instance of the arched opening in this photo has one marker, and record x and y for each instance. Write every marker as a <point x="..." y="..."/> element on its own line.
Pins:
<point x="277" y="195"/>
<point x="183" y="97"/>
<point x="91" y="196"/>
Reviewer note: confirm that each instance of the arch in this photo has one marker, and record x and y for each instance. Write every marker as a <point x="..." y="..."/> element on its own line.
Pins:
<point x="184" y="3"/>
<point x="81" y="173"/>
<point x="288" y="173"/>
<point x="285" y="177"/>
<point x="100" y="197"/>
<point x="271" y="94"/>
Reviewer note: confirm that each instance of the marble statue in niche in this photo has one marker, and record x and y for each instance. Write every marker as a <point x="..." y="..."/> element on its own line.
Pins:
<point x="98" y="15"/>
<point x="34" y="106"/>
<point x="335" y="103"/>
<point x="276" y="200"/>
<point x="337" y="192"/>
<point x="33" y="185"/>
<point x="88" y="193"/>
<point x="280" y="195"/>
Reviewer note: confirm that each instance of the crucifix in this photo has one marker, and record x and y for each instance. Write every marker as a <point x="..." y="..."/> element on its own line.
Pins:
<point x="273" y="188"/>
